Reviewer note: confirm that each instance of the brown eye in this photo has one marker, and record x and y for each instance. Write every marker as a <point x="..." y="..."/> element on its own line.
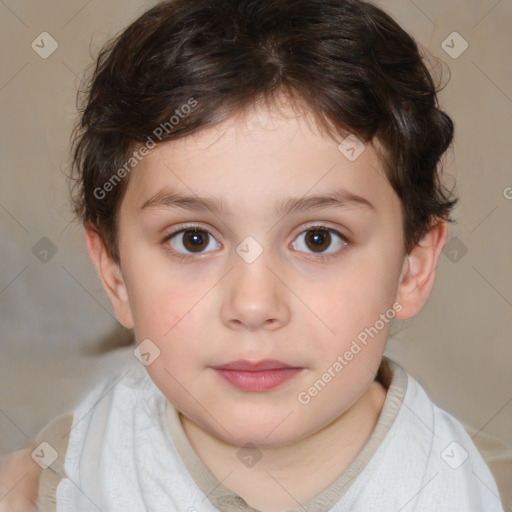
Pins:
<point x="319" y="240"/>
<point x="192" y="241"/>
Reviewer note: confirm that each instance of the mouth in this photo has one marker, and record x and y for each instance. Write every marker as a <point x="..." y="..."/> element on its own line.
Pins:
<point x="256" y="376"/>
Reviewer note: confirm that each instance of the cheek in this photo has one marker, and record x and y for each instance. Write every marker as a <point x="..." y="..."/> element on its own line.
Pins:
<point x="174" y="326"/>
<point x="168" y="320"/>
<point x="357" y="304"/>
<point x="160" y="292"/>
<point x="355" y="297"/>
<point x="173" y="316"/>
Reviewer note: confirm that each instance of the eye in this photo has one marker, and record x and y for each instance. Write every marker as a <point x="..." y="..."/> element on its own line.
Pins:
<point x="193" y="239"/>
<point x="318" y="239"/>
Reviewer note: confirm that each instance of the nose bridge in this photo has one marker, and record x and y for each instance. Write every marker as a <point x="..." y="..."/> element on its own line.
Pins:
<point x="252" y="273"/>
<point x="255" y="295"/>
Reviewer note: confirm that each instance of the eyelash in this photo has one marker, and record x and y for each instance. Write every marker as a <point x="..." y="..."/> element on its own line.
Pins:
<point x="319" y="257"/>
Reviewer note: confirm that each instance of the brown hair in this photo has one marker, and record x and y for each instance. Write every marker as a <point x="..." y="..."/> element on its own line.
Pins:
<point x="346" y="61"/>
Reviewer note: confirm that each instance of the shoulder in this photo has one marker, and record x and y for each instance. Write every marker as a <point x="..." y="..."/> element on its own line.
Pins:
<point x="29" y="477"/>
<point x="51" y="451"/>
<point x="455" y="469"/>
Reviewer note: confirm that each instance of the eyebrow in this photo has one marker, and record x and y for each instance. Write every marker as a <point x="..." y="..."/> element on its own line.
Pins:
<point x="337" y="199"/>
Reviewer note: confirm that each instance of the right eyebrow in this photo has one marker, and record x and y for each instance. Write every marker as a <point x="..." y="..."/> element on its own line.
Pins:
<point x="174" y="200"/>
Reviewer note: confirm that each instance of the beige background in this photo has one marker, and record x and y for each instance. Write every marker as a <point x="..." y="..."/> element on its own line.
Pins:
<point x="56" y="323"/>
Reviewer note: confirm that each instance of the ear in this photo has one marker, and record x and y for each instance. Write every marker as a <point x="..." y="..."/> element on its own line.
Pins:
<point x="418" y="271"/>
<point x="111" y="277"/>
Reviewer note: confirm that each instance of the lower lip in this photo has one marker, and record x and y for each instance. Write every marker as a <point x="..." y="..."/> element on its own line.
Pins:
<point x="258" y="380"/>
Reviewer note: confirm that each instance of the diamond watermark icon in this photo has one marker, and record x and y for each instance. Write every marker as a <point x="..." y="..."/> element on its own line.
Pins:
<point x="44" y="250"/>
<point x="45" y="455"/>
<point x="44" y="45"/>
<point x="351" y="147"/>
<point x="249" y="250"/>
<point x="454" y="45"/>
<point x="146" y="352"/>
<point x="455" y="250"/>
<point x="454" y="455"/>
<point x="249" y="455"/>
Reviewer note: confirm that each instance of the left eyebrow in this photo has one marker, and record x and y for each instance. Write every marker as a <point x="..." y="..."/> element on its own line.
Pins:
<point x="338" y="199"/>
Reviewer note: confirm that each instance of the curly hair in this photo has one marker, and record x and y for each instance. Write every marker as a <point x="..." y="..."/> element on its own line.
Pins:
<point x="347" y="61"/>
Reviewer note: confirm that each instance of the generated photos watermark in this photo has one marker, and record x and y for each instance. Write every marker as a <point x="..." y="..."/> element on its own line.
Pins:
<point x="304" y="397"/>
<point x="143" y="150"/>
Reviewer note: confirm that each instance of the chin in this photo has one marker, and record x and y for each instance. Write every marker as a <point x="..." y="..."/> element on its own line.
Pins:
<point x="253" y="431"/>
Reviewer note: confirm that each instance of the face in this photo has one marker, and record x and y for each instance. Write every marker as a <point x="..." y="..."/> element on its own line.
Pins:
<point x="264" y="270"/>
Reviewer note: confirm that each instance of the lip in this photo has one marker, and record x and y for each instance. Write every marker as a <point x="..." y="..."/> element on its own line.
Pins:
<point x="256" y="375"/>
<point x="253" y="366"/>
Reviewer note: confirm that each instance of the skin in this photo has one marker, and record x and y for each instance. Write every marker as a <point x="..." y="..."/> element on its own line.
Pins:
<point x="19" y="477"/>
<point x="288" y="304"/>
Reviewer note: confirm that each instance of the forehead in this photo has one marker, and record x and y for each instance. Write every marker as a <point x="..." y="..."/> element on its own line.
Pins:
<point x="257" y="158"/>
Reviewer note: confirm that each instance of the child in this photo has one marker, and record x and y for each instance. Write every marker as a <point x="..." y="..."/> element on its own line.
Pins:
<point x="260" y="187"/>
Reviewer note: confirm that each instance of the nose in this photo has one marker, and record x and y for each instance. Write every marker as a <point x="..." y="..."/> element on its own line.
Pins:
<point x="256" y="297"/>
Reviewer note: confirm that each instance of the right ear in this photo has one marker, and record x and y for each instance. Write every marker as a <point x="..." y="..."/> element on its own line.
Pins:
<point x="111" y="277"/>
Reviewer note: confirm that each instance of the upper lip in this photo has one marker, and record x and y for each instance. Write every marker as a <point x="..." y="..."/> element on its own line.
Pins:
<point x="253" y="366"/>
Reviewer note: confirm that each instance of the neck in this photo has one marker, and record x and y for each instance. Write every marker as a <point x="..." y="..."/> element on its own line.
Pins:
<point x="282" y="478"/>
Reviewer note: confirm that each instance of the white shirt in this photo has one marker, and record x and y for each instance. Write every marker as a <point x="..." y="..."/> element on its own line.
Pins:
<point x="127" y="452"/>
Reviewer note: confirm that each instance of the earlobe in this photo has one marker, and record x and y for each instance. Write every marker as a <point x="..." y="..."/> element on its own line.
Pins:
<point x="110" y="276"/>
<point x="418" y="271"/>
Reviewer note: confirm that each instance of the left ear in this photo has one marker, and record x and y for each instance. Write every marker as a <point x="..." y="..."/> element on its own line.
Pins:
<point x="418" y="272"/>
